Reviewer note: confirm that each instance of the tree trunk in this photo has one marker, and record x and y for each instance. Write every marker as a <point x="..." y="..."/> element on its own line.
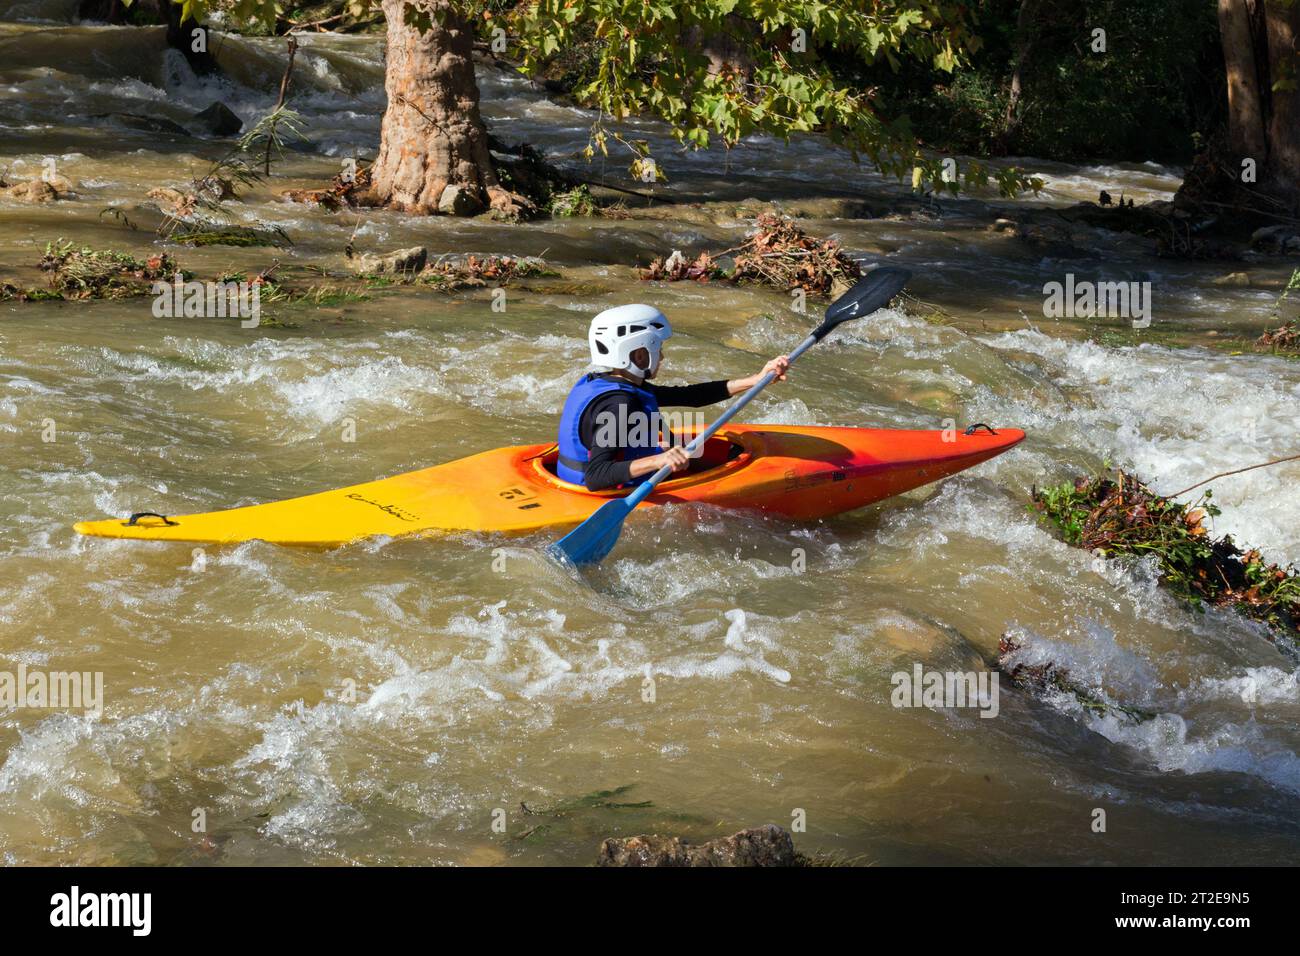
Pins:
<point x="180" y="36"/>
<point x="1283" y="170"/>
<point x="1240" y="23"/>
<point x="1024" y="42"/>
<point x="433" y="148"/>
<point x="729" y="50"/>
<point x="1259" y="50"/>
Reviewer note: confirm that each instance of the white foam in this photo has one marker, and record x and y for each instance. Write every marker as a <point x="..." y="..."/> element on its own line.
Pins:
<point x="1173" y="742"/>
<point x="1255" y="685"/>
<point x="1169" y="741"/>
<point x="1173" y="417"/>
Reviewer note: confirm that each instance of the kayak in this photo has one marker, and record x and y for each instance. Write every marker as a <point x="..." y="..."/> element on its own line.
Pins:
<point x="794" y="472"/>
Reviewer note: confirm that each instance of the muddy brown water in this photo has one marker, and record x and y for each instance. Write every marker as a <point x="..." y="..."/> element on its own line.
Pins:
<point x="389" y="701"/>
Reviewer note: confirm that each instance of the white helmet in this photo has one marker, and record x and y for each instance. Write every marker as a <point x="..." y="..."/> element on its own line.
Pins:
<point x="618" y="332"/>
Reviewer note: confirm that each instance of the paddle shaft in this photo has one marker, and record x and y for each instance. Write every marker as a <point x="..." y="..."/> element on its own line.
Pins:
<point x="637" y="496"/>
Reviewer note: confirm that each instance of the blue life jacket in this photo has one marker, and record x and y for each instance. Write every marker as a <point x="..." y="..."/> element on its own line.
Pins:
<point x="574" y="455"/>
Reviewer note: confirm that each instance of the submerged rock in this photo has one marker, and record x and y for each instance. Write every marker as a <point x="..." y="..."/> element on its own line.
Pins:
<point x="761" y="846"/>
<point x="1276" y="240"/>
<point x="1056" y="241"/>
<point x="147" y="124"/>
<point x="1232" y="278"/>
<point x="32" y="191"/>
<point x="219" y="120"/>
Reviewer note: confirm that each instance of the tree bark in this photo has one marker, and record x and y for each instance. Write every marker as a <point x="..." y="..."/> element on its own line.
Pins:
<point x="180" y="36"/>
<point x="1259" y="50"/>
<point x="432" y="136"/>
<point x="729" y="50"/>
<point x="1283" y="171"/>
<point x="1238" y="27"/>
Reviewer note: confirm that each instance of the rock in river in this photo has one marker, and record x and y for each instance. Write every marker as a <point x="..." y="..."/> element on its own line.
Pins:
<point x="408" y="261"/>
<point x="218" y="120"/>
<point x="761" y="846"/>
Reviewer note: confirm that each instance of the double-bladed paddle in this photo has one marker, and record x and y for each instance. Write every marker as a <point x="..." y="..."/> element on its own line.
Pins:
<point x="596" y="537"/>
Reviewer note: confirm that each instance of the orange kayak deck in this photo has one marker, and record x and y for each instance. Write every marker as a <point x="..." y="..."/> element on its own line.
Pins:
<point x="796" y="472"/>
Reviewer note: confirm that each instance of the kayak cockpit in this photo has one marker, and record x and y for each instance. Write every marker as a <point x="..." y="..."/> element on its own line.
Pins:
<point x="722" y="454"/>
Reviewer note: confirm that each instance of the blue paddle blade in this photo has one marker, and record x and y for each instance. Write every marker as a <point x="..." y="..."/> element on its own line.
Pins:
<point x="595" y="537"/>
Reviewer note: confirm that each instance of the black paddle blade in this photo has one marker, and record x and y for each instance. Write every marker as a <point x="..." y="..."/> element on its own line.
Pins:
<point x="867" y="295"/>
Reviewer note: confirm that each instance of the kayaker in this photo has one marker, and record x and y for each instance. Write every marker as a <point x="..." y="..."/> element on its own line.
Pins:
<point x="610" y="432"/>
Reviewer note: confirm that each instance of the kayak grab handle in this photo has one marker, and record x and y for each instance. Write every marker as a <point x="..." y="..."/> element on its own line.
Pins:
<point x="976" y="427"/>
<point x="135" y="518"/>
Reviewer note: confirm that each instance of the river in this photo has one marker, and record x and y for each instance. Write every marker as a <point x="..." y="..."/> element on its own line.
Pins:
<point x="496" y="690"/>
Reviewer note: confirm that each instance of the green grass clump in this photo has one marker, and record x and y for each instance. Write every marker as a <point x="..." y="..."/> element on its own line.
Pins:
<point x="577" y="201"/>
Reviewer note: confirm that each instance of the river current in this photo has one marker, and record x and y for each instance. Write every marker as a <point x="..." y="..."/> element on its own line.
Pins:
<point x="404" y="701"/>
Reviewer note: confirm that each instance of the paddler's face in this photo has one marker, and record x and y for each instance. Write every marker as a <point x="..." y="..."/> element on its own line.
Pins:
<point x="641" y="358"/>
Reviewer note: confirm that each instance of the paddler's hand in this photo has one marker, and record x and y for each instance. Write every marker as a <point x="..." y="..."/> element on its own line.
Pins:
<point x="779" y="365"/>
<point x="674" y="457"/>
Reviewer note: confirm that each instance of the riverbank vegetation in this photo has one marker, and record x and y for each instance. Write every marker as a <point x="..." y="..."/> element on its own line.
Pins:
<point x="1283" y="338"/>
<point x="920" y="91"/>
<point x="1041" y="80"/>
<point x="715" y="72"/>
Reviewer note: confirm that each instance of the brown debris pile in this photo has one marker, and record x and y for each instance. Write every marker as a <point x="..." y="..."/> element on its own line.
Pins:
<point x="345" y="191"/>
<point x="779" y="254"/>
<point x="472" y="272"/>
<point x="1121" y="516"/>
<point x="1284" y="338"/>
<point x="677" y="268"/>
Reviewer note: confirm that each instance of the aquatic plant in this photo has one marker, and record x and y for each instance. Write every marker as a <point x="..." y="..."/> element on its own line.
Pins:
<point x="200" y="234"/>
<point x="273" y="133"/>
<point x="82" y="272"/>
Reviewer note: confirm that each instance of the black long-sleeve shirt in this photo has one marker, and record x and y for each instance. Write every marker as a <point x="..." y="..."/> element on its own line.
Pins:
<point x="604" y="469"/>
